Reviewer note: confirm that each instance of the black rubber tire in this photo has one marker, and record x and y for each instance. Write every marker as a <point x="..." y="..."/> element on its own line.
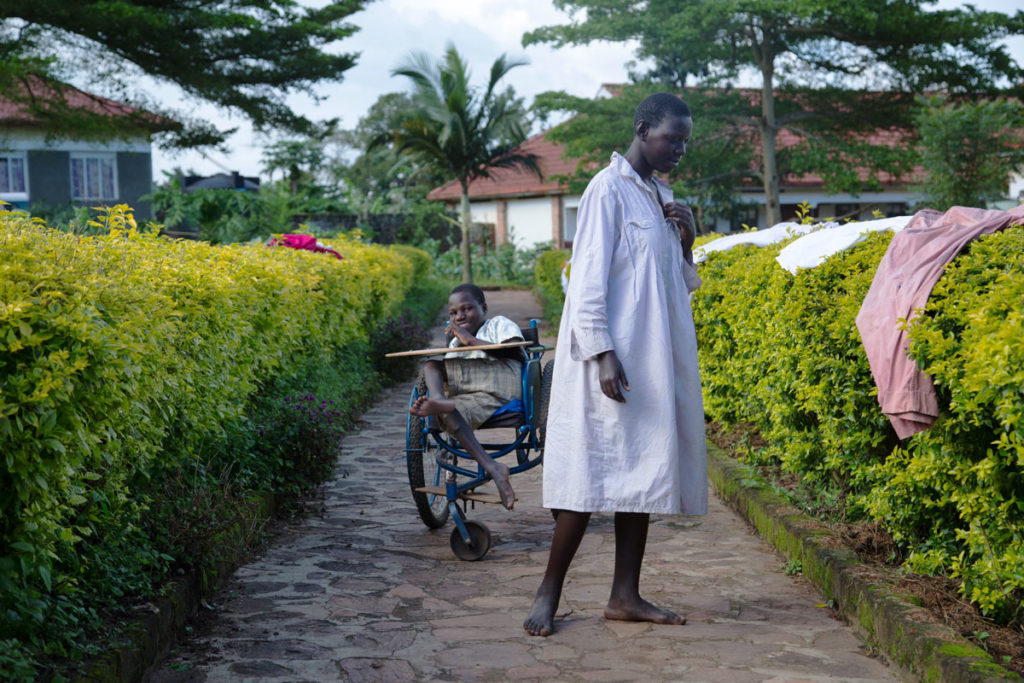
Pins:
<point x="479" y="542"/>
<point x="421" y="461"/>
<point x="540" y="414"/>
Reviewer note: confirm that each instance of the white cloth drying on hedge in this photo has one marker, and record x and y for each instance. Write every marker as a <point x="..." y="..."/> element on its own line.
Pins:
<point x="758" y="238"/>
<point x="813" y="248"/>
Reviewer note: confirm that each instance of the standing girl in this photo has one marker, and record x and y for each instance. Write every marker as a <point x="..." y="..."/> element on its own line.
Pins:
<point x="626" y="422"/>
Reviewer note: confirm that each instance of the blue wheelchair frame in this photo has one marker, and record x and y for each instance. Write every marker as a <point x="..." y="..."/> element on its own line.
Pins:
<point x="471" y="540"/>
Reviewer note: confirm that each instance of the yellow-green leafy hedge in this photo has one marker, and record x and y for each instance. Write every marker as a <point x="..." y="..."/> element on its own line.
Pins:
<point x="115" y="345"/>
<point x="783" y="353"/>
<point x="548" y="278"/>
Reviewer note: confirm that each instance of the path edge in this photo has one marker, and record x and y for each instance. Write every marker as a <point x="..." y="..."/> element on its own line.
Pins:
<point x="916" y="647"/>
<point x="147" y="638"/>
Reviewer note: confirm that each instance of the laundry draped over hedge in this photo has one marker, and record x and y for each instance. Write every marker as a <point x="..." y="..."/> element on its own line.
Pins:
<point x="783" y="352"/>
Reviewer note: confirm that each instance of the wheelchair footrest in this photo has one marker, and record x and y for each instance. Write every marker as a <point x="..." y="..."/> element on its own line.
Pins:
<point x="465" y="495"/>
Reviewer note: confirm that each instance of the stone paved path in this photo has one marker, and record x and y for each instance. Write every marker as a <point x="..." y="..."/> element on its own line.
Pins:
<point x="365" y="592"/>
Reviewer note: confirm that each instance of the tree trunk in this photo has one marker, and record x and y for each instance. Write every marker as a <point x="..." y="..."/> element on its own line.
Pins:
<point x="464" y="218"/>
<point x="769" y="129"/>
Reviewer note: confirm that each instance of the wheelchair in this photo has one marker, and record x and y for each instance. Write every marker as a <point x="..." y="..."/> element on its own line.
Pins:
<point x="439" y="477"/>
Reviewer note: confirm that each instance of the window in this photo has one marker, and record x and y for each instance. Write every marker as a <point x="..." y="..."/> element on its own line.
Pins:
<point x="745" y="217"/>
<point x="12" y="173"/>
<point x="851" y="211"/>
<point x="93" y="176"/>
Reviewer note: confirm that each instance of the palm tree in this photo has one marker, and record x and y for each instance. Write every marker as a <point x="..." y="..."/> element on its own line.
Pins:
<point x="462" y="131"/>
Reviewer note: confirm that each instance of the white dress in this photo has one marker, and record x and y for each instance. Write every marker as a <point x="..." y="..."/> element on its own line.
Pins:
<point x="628" y="291"/>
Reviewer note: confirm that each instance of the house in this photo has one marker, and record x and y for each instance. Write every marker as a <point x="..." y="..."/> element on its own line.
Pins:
<point x="525" y="209"/>
<point x="220" y="181"/>
<point x="39" y="166"/>
<point x="519" y="206"/>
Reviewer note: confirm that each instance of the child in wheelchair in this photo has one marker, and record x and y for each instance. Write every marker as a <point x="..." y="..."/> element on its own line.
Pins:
<point x="465" y="389"/>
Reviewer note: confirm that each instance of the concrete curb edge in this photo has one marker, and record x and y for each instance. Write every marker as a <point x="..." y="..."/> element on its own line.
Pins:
<point x="152" y="634"/>
<point x="917" y="647"/>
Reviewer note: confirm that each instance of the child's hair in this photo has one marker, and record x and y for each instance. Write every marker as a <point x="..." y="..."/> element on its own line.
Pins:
<point x="656" y="107"/>
<point x="473" y="291"/>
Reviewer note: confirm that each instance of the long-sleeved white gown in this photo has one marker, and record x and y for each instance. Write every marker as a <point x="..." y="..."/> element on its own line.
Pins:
<point x="629" y="291"/>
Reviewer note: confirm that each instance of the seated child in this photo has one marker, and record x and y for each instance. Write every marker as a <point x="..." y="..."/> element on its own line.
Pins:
<point x="466" y="388"/>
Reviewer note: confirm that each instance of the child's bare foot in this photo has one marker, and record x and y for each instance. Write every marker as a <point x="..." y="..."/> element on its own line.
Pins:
<point x="541" y="620"/>
<point x="641" y="610"/>
<point x="504" y="483"/>
<point x="425" y="406"/>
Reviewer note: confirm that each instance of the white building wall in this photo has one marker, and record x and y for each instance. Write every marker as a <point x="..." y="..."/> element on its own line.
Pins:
<point x="1017" y="188"/>
<point x="481" y="212"/>
<point x="529" y="221"/>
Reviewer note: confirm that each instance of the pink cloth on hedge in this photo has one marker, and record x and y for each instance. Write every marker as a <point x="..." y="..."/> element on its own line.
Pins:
<point x="305" y="242"/>
<point x="912" y="265"/>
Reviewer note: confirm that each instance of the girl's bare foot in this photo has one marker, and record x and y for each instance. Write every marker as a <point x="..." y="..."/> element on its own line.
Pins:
<point x="541" y="620"/>
<point x="504" y="483"/>
<point x="641" y="610"/>
<point x="425" y="406"/>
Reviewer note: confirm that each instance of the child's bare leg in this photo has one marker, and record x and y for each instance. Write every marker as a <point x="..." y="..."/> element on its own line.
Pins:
<point x="425" y="406"/>
<point x="435" y="403"/>
<point x="625" y="603"/>
<point x="456" y="425"/>
<point x="569" y="530"/>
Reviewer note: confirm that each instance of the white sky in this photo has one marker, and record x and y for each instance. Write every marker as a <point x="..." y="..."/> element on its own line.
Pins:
<point x="480" y="29"/>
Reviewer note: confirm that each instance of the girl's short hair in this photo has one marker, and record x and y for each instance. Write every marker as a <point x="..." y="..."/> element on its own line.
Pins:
<point x="472" y="290"/>
<point x="656" y="107"/>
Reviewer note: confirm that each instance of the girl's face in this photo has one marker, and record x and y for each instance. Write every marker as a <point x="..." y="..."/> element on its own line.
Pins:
<point x="665" y="143"/>
<point x="465" y="311"/>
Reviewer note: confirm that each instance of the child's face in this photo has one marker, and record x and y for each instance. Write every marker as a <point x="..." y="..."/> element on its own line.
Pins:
<point x="666" y="143"/>
<point x="465" y="311"/>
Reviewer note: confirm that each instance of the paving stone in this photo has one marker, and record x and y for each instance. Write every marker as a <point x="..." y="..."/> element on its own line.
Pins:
<point x="363" y="591"/>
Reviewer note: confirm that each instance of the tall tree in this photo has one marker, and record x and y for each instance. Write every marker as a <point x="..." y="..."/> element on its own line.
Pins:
<point x="243" y="55"/>
<point x="969" y="150"/>
<point x="896" y="44"/>
<point x="465" y="132"/>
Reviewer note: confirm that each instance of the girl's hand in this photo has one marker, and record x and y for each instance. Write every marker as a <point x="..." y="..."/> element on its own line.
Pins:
<point x="612" y="376"/>
<point x="681" y="215"/>
<point x="463" y="334"/>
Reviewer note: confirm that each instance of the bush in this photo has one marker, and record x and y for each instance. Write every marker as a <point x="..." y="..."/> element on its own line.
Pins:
<point x="548" y="283"/>
<point x="137" y="373"/>
<point x="955" y="495"/>
<point x="399" y="333"/>
<point x="503" y="265"/>
<point x="783" y="353"/>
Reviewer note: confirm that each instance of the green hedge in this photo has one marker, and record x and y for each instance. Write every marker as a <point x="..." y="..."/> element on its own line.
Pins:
<point x="132" y="363"/>
<point x="548" y="278"/>
<point x="783" y="352"/>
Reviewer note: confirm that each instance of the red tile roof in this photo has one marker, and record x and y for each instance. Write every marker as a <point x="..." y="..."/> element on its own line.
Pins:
<point x="519" y="181"/>
<point x="12" y="112"/>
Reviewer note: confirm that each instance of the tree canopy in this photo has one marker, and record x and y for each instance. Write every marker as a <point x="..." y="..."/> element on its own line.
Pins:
<point x="245" y="56"/>
<point x="384" y="178"/>
<point x="813" y="59"/>
<point x="462" y="131"/>
<point x="969" y="150"/>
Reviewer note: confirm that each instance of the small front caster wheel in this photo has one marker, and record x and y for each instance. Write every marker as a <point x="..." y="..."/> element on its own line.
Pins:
<point x="479" y="541"/>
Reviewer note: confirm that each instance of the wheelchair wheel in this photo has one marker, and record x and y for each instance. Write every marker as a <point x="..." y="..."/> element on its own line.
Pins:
<point x="540" y="419"/>
<point x="479" y="542"/>
<point x="421" y="460"/>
